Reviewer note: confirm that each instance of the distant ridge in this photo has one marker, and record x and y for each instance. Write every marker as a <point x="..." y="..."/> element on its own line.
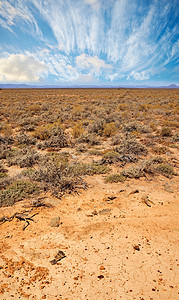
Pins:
<point x="26" y="86"/>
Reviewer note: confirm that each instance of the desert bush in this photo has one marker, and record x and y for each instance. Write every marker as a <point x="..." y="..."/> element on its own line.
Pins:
<point x="34" y="108"/>
<point x="17" y="191"/>
<point x="165" y="170"/>
<point x="52" y="135"/>
<point x="159" y="150"/>
<point x="133" y="172"/>
<point x="136" y="127"/>
<point x="6" y="129"/>
<point x="116" y="139"/>
<point x="96" y="127"/>
<point x="5" y="151"/>
<point x="58" y="141"/>
<point x="78" y="130"/>
<point x="130" y="145"/>
<point x="56" y="175"/>
<point x="109" y="129"/>
<point x="110" y="157"/>
<point x="93" y="169"/>
<point x="166" y="131"/>
<point x="94" y="152"/>
<point x="89" y="138"/>
<point x="81" y="148"/>
<point x="45" y="132"/>
<point x="175" y="137"/>
<point x="130" y="127"/>
<point x="23" y="158"/>
<point x="153" y="166"/>
<point x="3" y="171"/>
<point x="114" y="178"/>
<point x="24" y="139"/>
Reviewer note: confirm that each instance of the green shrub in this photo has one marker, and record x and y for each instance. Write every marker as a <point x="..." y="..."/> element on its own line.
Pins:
<point x="115" y="178"/>
<point x="17" y="191"/>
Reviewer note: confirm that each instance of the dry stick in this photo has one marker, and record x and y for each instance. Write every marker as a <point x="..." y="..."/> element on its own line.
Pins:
<point x="19" y="216"/>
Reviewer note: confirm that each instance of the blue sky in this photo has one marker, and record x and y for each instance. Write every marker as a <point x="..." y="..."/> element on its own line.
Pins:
<point x="67" y="42"/>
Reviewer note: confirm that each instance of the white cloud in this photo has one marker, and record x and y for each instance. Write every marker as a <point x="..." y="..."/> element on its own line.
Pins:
<point x="115" y="76"/>
<point x="86" y="78"/>
<point x="144" y="75"/>
<point x="94" y="63"/>
<point x="21" y="68"/>
<point x="94" y="3"/>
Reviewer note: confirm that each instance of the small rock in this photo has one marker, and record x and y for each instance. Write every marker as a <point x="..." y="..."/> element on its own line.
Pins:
<point x="60" y="254"/>
<point x="136" y="247"/>
<point x="95" y="213"/>
<point x="101" y="276"/>
<point x="55" y="222"/>
<point x="105" y="211"/>
<point x="79" y="209"/>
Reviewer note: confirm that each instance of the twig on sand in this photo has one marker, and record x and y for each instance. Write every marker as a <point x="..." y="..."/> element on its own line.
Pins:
<point x="22" y="216"/>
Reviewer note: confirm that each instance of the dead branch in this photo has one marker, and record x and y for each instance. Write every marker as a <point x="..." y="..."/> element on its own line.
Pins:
<point x="22" y="216"/>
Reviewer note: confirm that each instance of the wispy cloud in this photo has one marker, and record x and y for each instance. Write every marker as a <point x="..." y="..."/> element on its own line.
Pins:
<point x="111" y="40"/>
<point x="14" y="13"/>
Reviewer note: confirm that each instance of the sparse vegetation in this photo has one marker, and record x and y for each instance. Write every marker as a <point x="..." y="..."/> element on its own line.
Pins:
<point x="128" y="124"/>
<point x="17" y="191"/>
<point x="114" y="178"/>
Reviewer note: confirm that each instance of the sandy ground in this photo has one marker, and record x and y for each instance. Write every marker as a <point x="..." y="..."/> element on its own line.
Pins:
<point x="98" y="237"/>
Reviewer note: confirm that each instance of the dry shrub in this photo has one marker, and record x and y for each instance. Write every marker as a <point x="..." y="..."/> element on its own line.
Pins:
<point x="5" y="151"/>
<point x="111" y="156"/>
<point x="116" y="139"/>
<point x="155" y="165"/>
<point x="130" y="145"/>
<point x="56" y="174"/>
<point x="109" y="129"/>
<point x="175" y="137"/>
<point x="34" y="108"/>
<point x="78" y="130"/>
<point x="89" y="138"/>
<point x="17" y="191"/>
<point x="136" y="127"/>
<point x="24" y="139"/>
<point x="6" y="129"/>
<point x="23" y="158"/>
<point x="3" y="171"/>
<point x="53" y="136"/>
<point x="166" y="131"/>
<point x="114" y="178"/>
<point x="96" y="127"/>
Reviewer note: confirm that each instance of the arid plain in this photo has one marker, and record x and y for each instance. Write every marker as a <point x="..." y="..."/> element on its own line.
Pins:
<point x="89" y="194"/>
